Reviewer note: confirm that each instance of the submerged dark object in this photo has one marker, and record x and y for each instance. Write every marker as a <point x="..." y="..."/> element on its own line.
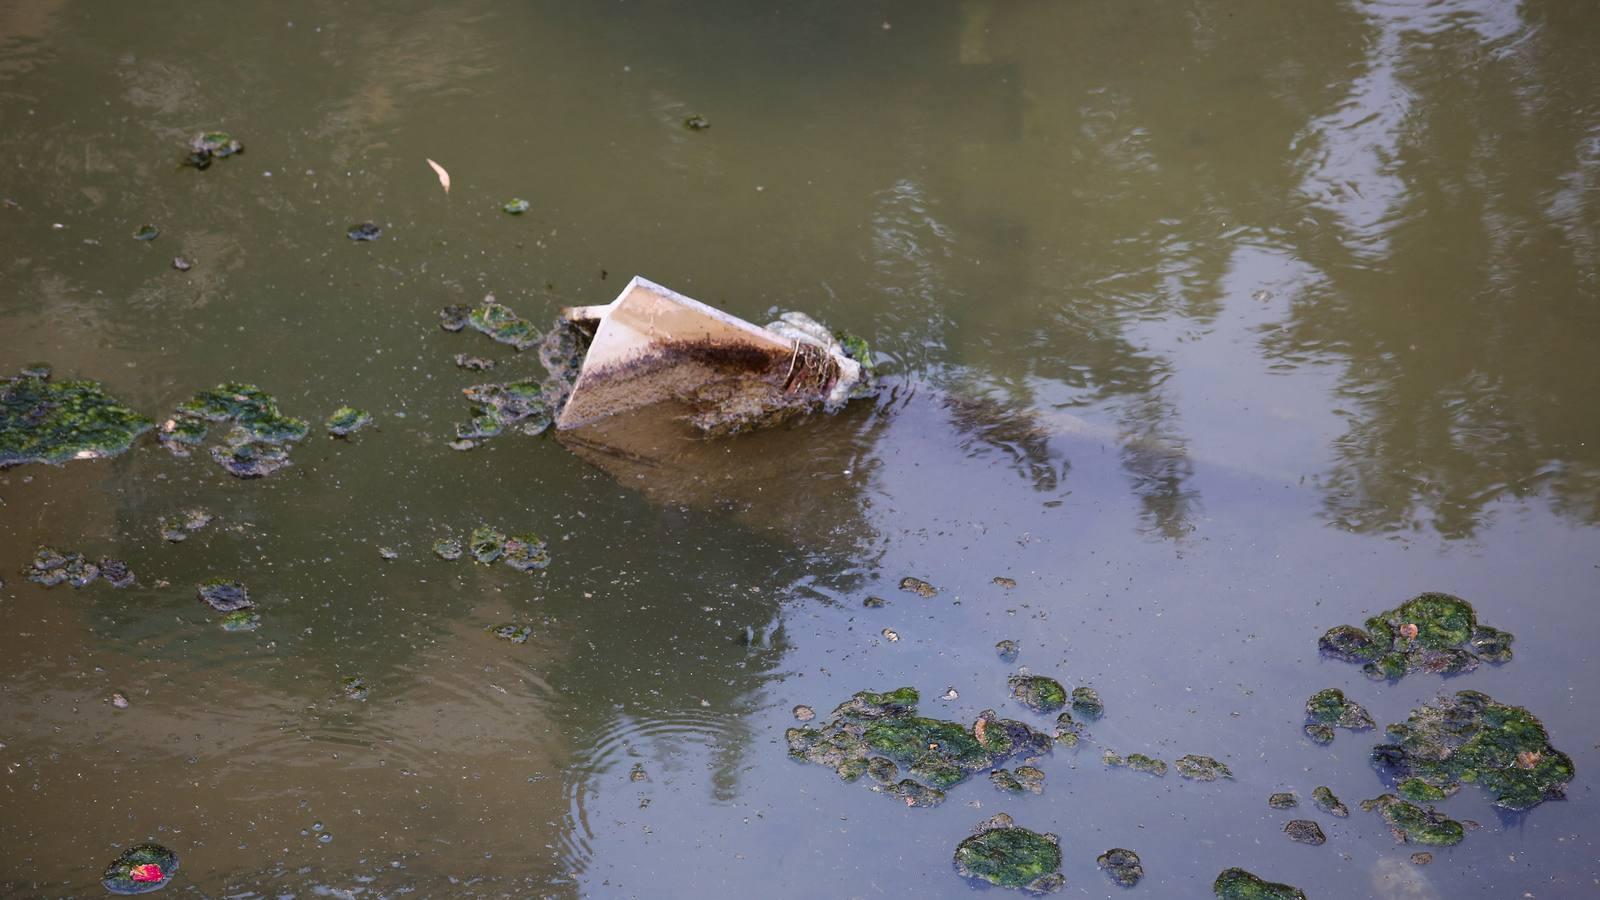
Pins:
<point x="56" y="421"/>
<point x="224" y="595"/>
<point x="210" y="145"/>
<point x="1283" y="800"/>
<point x="140" y="869"/>
<point x="1472" y="738"/>
<point x="1431" y="632"/>
<point x="1122" y="866"/>
<point x="1005" y="854"/>
<point x="1411" y="823"/>
<point x="1305" y="831"/>
<point x="365" y="231"/>
<point x="1237" y="884"/>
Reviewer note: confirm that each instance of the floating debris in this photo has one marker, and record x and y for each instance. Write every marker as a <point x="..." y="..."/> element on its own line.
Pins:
<point x="950" y="694"/>
<point x="1008" y="650"/>
<point x="178" y="528"/>
<point x="1029" y="779"/>
<point x="224" y="595"/>
<point x="56" y="421"/>
<point x="454" y="318"/>
<point x="116" y="572"/>
<point x="205" y="147"/>
<point x="1470" y="737"/>
<point x="1135" y="761"/>
<point x="803" y="713"/>
<point x="1086" y="703"/>
<point x="365" y="231"/>
<point x="147" y="233"/>
<point x="516" y="206"/>
<point x="182" y="264"/>
<point x="915" y="795"/>
<point x="696" y="123"/>
<point x="1421" y="858"/>
<point x="487" y="544"/>
<point x="1037" y="692"/>
<point x="1284" y="800"/>
<point x="939" y="753"/>
<point x="119" y="700"/>
<point x="388" y="553"/>
<point x="638" y="774"/>
<point x="918" y="586"/>
<point x="1237" y="884"/>
<point x="1123" y="866"/>
<point x="1329" y="803"/>
<point x="516" y="634"/>
<point x="498" y="321"/>
<point x="1201" y="768"/>
<point x="1425" y="634"/>
<point x="1002" y="581"/>
<point x="240" y="620"/>
<point x="448" y="549"/>
<point x="1330" y="707"/>
<point x="890" y="635"/>
<point x="874" y="603"/>
<point x="1002" y="853"/>
<point x="347" y="420"/>
<point x="1067" y="732"/>
<point x="252" y="447"/>
<point x="525" y="553"/>
<point x="140" y="869"/>
<point x="1305" y="831"/>
<point x="501" y="406"/>
<point x="473" y="363"/>
<point x="1415" y="824"/>
<point x="355" y="687"/>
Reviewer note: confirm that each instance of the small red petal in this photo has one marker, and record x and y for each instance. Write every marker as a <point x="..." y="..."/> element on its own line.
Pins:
<point x="146" y="872"/>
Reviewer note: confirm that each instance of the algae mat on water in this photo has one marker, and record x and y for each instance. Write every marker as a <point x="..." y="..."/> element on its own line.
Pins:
<point x="56" y="421"/>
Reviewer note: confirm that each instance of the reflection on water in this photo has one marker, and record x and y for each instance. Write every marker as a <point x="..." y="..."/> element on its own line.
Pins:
<point x="1199" y="321"/>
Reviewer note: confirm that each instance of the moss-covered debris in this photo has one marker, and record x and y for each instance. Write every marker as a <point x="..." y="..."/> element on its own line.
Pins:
<point x="1328" y="708"/>
<point x="1086" y="703"/>
<point x="1472" y="738"/>
<point x="50" y="567"/>
<point x="1135" y="761"/>
<point x="1002" y="853"/>
<point x="347" y="420"/>
<point x="1416" y="824"/>
<point x="525" y="552"/>
<point x="140" y="869"/>
<point x="224" y="594"/>
<point x="497" y="320"/>
<point x="1305" y="831"/>
<point x="1201" y="768"/>
<point x="511" y="631"/>
<point x="211" y="145"/>
<point x="1329" y="802"/>
<point x="1431" y="632"/>
<point x="519" y="405"/>
<point x="57" y="421"/>
<point x="253" y="447"/>
<point x="1024" y="779"/>
<point x="240" y="620"/>
<point x="1122" y="866"/>
<point x="873" y="726"/>
<point x="918" y="586"/>
<point x="1283" y="800"/>
<point x="1037" y="692"/>
<point x="1237" y="884"/>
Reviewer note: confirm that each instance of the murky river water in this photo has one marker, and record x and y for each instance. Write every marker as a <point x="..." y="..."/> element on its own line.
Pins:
<point x="1212" y="324"/>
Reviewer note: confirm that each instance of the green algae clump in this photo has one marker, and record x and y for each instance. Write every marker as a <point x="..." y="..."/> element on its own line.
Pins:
<point x="1122" y="866"/>
<point x="498" y="321"/>
<point x="57" y="421"/>
<point x="224" y="595"/>
<point x="1002" y="853"/>
<point x="1416" y="824"/>
<point x="447" y="549"/>
<point x="140" y="869"/>
<point x="1429" y="633"/>
<point x="254" y="446"/>
<point x="1283" y="800"/>
<point x="1329" y="802"/>
<point x="1237" y="884"/>
<point x="1024" y="779"/>
<point x="486" y="544"/>
<point x="1305" y="831"/>
<point x="240" y="620"/>
<point x="347" y="420"/>
<point x="1472" y="738"/>
<point x="500" y="406"/>
<point x="1201" y="768"/>
<point x="1037" y="692"/>
<point x="1135" y="761"/>
<point x="1086" y="703"/>
<point x="1328" y="708"/>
